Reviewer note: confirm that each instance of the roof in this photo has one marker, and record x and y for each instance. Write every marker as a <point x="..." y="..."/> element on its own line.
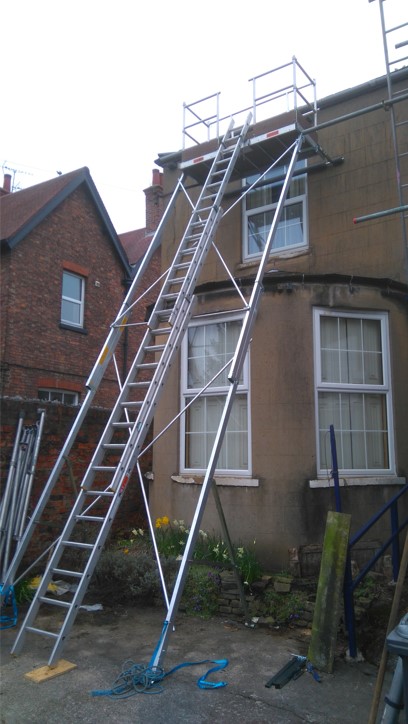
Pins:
<point x="135" y="244"/>
<point x="22" y="211"/>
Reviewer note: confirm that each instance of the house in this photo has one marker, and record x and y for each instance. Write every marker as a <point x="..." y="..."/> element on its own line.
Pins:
<point x="64" y="275"/>
<point x="62" y="270"/>
<point x="330" y="342"/>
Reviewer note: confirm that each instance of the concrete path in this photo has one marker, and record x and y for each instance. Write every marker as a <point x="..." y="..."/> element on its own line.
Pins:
<point x="101" y="642"/>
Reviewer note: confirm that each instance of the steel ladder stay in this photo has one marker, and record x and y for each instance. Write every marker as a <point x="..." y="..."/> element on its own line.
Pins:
<point x="78" y="549"/>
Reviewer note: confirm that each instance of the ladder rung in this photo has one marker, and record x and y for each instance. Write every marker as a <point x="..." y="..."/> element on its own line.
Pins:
<point x="54" y="601"/>
<point x="154" y="348"/>
<point x="114" y="446"/>
<point x="170" y="296"/>
<point x="99" y="493"/>
<point x="157" y="331"/>
<point x="134" y="385"/>
<point x="77" y="544"/>
<point x="131" y="403"/>
<point x="104" y="468"/>
<point x="92" y="518"/>
<point x="65" y="572"/>
<point x="122" y="425"/>
<point x="148" y="365"/>
<point x="41" y="631"/>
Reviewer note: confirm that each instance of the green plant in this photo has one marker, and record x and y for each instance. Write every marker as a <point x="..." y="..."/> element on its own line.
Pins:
<point x="23" y="592"/>
<point x="284" y="607"/>
<point x="124" y="578"/>
<point x="172" y="537"/>
<point x="200" y="596"/>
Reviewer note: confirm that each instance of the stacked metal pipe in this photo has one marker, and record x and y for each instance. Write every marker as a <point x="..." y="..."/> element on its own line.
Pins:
<point x="17" y="491"/>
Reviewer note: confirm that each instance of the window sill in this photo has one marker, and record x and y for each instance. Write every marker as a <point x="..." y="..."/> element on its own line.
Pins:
<point x="73" y="328"/>
<point x="275" y="256"/>
<point x="354" y="482"/>
<point x="228" y="481"/>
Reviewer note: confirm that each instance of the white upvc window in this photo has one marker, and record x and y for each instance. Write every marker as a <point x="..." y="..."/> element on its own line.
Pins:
<point x="73" y="299"/>
<point x="259" y="209"/>
<point x="207" y="347"/>
<point x="353" y="391"/>
<point x="67" y="398"/>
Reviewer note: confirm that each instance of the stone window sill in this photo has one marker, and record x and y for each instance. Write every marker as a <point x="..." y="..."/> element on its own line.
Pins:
<point x="228" y="481"/>
<point x="360" y="481"/>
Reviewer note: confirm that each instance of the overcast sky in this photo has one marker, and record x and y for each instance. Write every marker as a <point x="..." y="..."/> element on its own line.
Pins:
<point x="102" y="84"/>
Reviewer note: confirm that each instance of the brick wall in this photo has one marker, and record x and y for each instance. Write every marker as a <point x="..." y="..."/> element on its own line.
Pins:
<point x="58" y="422"/>
<point x="34" y="344"/>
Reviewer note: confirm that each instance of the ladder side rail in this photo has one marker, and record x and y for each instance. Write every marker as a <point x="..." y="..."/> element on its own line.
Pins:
<point x="40" y="427"/>
<point x="395" y="139"/>
<point x="122" y="471"/>
<point x="11" y="474"/>
<point x="118" y="485"/>
<point x="92" y="384"/>
<point x="214" y="216"/>
<point x="194" y="529"/>
<point x="121" y="319"/>
<point x="147" y="410"/>
<point x="234" y="376"/>
<point x="253" y="304"/>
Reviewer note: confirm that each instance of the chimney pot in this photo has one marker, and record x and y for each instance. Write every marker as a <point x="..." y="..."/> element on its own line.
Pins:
<point x="156" y="181"/>
<point x="7" y="183"/>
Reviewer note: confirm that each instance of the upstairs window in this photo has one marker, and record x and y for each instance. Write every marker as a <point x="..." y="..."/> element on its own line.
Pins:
<point x="73" y="296"/>
<point x="207" y="347"/>
<point x="353" y="391"/>
<point x="259" y="210"/>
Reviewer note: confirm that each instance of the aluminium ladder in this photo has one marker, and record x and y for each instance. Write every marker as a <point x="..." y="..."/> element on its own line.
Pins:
<point x="78" y="549"/>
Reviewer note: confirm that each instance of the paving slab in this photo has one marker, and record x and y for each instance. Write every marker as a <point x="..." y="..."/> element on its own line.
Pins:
<point x="101" y="643"/>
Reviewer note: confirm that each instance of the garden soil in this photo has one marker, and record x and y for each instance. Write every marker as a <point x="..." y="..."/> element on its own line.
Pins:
<point x="102" y="642"/>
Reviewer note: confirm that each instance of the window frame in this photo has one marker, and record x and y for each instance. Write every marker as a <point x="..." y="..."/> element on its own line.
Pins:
<point x="278" y="173"/>
<point x="52" y="391"/>
<point x="80" y="302"/>
<point x="218" y="390"/>
<point x="384" y="389"/>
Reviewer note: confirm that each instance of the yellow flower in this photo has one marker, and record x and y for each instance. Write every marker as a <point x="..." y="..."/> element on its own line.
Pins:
<point x="158" y="523"/>
<point x="126" y="551"/>
<point x="165" y="520"/>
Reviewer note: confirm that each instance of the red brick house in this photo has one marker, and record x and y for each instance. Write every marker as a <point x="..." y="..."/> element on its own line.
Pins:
<point x="64" y="275"/>
<point x="63" y="270"/>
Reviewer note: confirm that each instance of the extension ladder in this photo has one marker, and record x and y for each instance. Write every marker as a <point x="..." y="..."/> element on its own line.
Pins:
<point x="77" y="551"/>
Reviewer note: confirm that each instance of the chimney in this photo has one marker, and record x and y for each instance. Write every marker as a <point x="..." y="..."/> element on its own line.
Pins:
<point x="6" y="184"/>
<point x="154" y="201"/>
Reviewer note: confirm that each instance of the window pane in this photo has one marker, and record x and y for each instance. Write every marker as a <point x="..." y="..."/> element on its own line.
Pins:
<point x="202" y="421"/>
<point x="360" y="425"/>
<point x="71" y="286"/>
<point x="70" y="312"/>
<point x="210" y="347"/>
<point x="351" y="351"/>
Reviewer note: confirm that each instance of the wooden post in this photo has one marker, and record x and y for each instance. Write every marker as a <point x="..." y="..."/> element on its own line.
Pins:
<point x="329" y="591"/>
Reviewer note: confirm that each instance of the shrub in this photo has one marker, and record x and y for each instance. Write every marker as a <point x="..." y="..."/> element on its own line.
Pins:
<point x="284" y="607"/>
<point x="200" y="595"/>
<point x="123" y="578"/>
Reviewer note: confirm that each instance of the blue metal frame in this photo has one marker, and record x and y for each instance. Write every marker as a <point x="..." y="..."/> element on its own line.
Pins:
<point x="349" y="584"/>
